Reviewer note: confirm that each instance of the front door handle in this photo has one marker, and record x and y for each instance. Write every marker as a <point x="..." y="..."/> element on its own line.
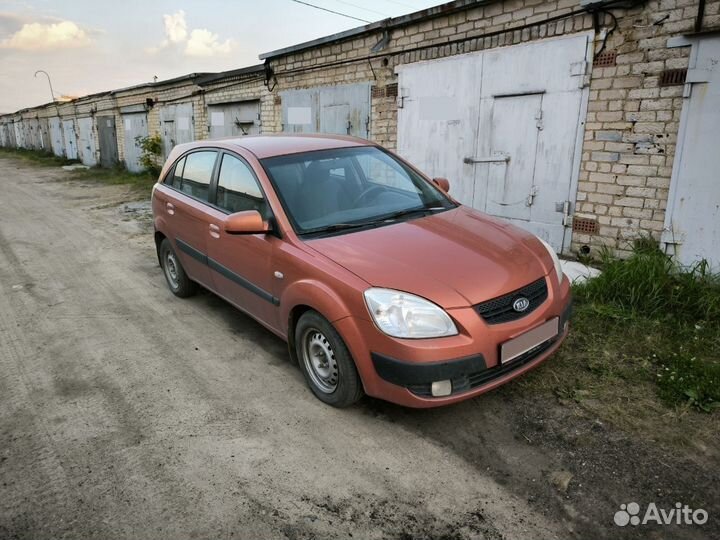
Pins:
<point x="214" y="231"/>
<point x="170" y="208"/>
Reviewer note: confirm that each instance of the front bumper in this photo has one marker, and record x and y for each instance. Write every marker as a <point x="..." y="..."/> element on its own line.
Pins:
<point x="465" y="374"/>
<point x="402" y="371"/>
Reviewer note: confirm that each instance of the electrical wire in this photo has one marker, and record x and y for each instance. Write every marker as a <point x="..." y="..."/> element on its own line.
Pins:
<point x="330" y="11"/>
<point x="363" y="8"/>
<point x="422" y="47"/>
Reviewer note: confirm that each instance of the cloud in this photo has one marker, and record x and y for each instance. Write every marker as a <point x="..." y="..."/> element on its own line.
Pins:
<point x="203" y="42"/>
<point x="47" y="36"/>
<point x="199" y="42"/>
<point x="175" y="27"/>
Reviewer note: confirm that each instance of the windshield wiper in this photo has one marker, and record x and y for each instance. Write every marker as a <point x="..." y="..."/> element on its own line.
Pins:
<point x="387" y="218"/>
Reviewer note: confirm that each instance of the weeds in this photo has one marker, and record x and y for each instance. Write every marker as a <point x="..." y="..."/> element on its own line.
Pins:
<point x="34" y="157"/>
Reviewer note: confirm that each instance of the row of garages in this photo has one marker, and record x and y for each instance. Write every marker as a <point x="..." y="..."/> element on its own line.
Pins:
<point x="577" y="123"/>
<point x="105" y="129"/>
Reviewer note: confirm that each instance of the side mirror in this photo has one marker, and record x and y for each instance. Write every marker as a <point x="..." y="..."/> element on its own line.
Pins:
<point x="246" y="222"/>
<point x="442" y="183"/>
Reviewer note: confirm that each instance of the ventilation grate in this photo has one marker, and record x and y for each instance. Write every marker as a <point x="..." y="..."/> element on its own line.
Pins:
<point x="377" y="91"/>
<point x="391" y="90"/>
<point x="585" y="225"/>
<point x="673" y="77"/>
<point x="605" y="59"/>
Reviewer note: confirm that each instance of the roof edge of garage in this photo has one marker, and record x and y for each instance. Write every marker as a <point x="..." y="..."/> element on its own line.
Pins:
<point x="188" y="77"/>
<point x="394" y="22"/>
<point x="226" y="75"/>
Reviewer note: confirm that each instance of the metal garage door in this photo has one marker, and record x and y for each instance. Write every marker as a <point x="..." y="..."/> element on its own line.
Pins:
<point x="86" y="141"/>
<point x="692" y="222"/>
<point x="19" y="134"/>
<point x="107" y="141"/>
<point x="70" y="139"/>
<point x="505" y="126"/>
<point x="134" y="125"/>
<point x="234" y="119"/>
<point x="176" y="125"/>
<point x="343" y="109"/>
<point x="56" y="136"/>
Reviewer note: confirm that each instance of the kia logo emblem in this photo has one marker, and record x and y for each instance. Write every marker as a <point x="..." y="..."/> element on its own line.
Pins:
<point x="521" y="304"/>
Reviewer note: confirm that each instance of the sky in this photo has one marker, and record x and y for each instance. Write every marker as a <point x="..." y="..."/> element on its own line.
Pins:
<point x="89" y="46"/>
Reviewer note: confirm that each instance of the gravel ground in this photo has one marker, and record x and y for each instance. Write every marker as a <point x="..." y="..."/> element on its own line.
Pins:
<point x="126" y="412"/>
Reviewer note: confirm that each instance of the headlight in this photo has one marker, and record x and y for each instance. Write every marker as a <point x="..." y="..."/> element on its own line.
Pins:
<point x="404" y="315"/>
<point x="556" y="260"/>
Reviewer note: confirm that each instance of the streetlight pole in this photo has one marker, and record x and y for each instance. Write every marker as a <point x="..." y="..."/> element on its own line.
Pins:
<point x="50" y="83"/>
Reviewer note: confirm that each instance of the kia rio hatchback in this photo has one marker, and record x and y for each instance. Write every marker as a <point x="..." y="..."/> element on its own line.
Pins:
<point x="379" y="281"/>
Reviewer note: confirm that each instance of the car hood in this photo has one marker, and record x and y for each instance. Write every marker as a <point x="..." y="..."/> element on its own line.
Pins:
<point x="455" y="258"/>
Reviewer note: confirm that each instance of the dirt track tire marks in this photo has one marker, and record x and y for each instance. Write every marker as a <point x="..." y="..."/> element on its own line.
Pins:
<point x="126" y="412"/>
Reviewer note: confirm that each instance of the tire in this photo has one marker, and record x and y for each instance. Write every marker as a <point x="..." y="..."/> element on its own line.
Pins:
<point x="177" y="280"/>
<point x="325" y="361"/>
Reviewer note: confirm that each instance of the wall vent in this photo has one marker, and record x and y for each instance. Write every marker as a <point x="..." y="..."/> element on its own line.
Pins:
<point x="585" y="225"/>
<point x="673" y="77"/>
<point x="605" y="59"/>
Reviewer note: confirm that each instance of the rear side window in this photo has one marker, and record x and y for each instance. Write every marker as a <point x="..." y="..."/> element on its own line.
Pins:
<point x="196" y="174"/>
<point x="238" y="190"/>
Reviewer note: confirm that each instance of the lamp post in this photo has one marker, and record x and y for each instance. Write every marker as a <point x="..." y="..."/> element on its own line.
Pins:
<point x="50" y="83"/>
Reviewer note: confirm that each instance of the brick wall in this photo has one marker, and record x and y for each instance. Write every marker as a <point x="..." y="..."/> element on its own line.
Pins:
<point x="632" y="122"/>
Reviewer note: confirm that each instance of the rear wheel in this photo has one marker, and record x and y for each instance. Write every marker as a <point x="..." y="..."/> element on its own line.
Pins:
<point x="178" y="281"/>
<point x="326" y="362"/>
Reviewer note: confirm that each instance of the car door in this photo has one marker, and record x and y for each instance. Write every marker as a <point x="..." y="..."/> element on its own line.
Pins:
<point x="241" y="264"/>
<point x="187" y="211"/>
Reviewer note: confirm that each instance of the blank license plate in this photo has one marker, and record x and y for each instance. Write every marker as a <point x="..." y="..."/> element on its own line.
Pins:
<point x="529" y="340"/>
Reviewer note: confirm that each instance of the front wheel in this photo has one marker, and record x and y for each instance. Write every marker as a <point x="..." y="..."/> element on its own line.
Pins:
<point x="326" y="362"/>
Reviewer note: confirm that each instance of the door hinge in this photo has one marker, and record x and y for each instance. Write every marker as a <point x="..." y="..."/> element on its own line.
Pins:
<point x="400" y="99"/>
<point x="531" y="198"/>
<point x="565" y="207"/>
<point x="580" y="70"/>
<point x="671" y="237"/>
<point x="539" y="120"/>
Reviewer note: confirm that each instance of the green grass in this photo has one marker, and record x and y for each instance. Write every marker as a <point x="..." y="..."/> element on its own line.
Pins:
<point x="140" y="182"/>
<point x="34" y="157"/>
<point x="644" y="349"/>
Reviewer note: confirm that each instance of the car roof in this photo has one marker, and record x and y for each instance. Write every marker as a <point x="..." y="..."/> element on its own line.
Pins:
<point x="265" y="146"/>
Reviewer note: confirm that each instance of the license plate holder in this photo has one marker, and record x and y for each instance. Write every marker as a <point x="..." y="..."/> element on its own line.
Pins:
<point x="529" y="340"/>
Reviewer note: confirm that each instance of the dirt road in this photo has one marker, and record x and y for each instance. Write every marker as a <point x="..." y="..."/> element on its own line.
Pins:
<point x="126" y="412"/>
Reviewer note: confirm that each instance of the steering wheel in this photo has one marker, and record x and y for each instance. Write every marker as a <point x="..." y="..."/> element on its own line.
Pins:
<point x="366" y="193"/>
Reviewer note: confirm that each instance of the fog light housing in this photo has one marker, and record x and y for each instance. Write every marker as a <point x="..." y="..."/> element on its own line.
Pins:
<point x="441" y="388"/>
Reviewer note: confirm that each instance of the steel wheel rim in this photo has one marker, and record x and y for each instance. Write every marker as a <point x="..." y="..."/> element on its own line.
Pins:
<point x="171" y="270"/>
<point x="319" y="360"/>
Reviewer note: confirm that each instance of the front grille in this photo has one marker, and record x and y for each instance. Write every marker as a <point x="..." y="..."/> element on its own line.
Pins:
<point x="500" y="309"/>
<point x="479" y="378"/>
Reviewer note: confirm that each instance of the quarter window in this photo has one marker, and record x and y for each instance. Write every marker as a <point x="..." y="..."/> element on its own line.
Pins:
<point x="196" y="174"/>
<point x="175" y="177"/>
<point x="238" y="190"/>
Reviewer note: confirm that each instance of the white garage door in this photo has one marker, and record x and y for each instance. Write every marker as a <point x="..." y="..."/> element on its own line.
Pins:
<point x="692" y="223"/>
<point x="505" y="126"/>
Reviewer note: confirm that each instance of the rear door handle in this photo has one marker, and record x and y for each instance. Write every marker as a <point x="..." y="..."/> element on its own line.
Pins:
<point x="170" y="208"/>
<point x="214" y="231"/>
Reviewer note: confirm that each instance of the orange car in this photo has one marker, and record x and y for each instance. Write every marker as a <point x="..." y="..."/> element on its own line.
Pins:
<point x="379" y="281"/>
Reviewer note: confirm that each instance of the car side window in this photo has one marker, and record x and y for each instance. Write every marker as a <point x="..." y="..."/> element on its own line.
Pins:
<point x="238" y="190"/>
<point x="174" y="179"/>
<point x="197" y="174"/>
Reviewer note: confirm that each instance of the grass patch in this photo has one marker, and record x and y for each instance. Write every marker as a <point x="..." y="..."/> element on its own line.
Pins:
<point x="142" y="182"/>
<point x="35" y="157"/>
<point x="644" y="349"/>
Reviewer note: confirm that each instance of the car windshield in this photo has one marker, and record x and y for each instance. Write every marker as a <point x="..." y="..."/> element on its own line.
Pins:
<point x="350" y="188"/>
